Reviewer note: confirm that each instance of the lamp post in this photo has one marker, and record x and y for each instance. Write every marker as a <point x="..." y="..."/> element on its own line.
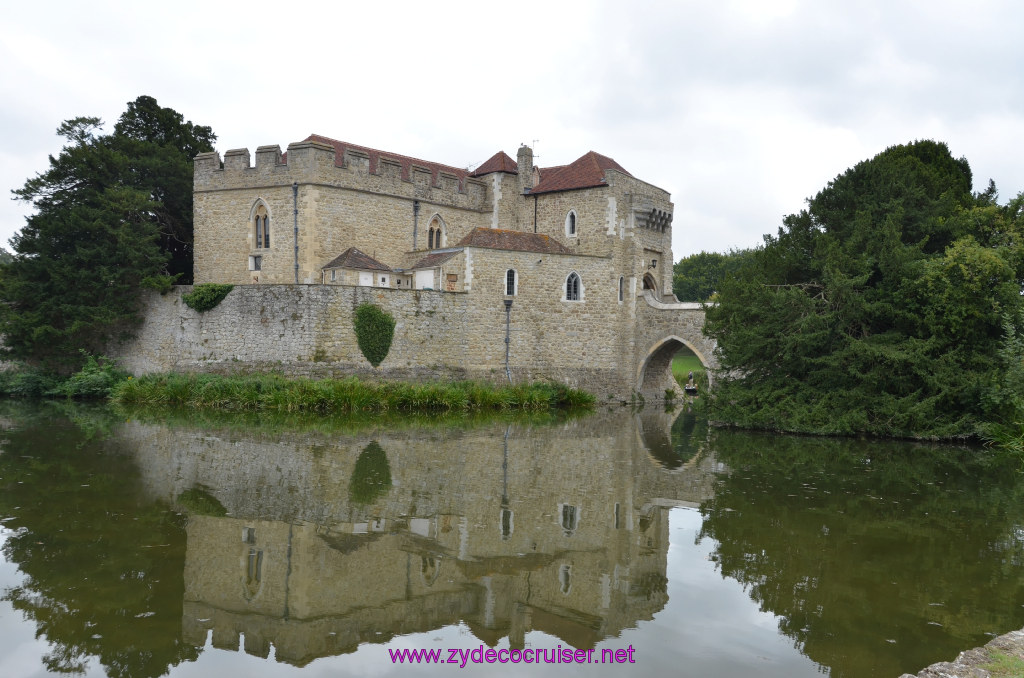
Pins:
<point x="508" y="326"/>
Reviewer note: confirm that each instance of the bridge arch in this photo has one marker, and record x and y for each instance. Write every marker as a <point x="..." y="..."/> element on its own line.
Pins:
<point x="654" y="373"/>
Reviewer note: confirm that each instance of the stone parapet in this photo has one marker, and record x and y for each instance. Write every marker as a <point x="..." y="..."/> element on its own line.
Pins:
<point x="314" y="162"/>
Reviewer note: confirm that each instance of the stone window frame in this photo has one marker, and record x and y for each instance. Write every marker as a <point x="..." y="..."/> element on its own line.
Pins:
<point x="430" y="568"/>
<point x="572" y="224"/>
<point x="622" y="288"/>
<point x="568" y="518"/>
<point x="259" y="221"/>
<point x="565" y="578"/>
<point x="252" y="568"/>
<point x="506" y="523"/>
<point x="511" y="275"/>
<point x="437" y="232"/>
<point x="570" y="292"/>
<point x="255" y="262"/>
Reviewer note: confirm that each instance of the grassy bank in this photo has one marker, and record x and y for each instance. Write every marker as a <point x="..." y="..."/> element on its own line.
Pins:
<point x="682" y="365"/>
<point x="276" y="393"/>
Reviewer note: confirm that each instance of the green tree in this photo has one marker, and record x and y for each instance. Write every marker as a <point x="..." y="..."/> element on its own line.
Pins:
<point x="101" y="565"/>
<point x="879" y="309"/>
<point x="698" y="276"/>
<point x="113" y="214"/>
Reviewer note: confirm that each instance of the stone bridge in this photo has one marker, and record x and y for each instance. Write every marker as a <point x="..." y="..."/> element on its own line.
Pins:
<point x="662" y="329"/>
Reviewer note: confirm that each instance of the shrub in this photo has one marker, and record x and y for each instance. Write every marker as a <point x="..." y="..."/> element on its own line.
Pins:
<point x="206" y="296"/>
<point x="97" y="379"/>
<point x="28" y="383"/>
<point x="375" y="328"/>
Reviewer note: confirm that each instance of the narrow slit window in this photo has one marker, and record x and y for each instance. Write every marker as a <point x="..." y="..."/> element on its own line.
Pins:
<point x="569" y="518"/>
<point x="506" y="523"/>
<point x="510" y="282"/>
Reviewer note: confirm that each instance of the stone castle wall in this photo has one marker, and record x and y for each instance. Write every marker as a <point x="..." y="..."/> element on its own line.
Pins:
<point x="307" y="330"/>
<point x="339" y="207"/>
<point x="595" y="343"/>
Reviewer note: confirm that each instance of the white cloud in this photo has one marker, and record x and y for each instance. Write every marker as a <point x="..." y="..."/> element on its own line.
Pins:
<point x="741" y="109"/>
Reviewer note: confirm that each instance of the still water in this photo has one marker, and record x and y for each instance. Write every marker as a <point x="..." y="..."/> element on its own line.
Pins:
<point x="153" y="543"/>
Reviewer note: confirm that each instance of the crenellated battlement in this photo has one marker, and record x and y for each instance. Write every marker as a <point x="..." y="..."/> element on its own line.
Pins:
<point x="328" y="163"/>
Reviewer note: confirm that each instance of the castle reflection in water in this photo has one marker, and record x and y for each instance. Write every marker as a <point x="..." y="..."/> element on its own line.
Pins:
<point x="330" y="541"/>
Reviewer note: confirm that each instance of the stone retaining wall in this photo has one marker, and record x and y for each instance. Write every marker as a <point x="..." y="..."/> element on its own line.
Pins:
<point x="968" y="664"/>
<point x="307" y="330"/>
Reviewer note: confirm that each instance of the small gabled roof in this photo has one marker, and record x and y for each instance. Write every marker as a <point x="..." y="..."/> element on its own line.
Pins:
<point x="499" y="162"/>
<point x="435" y="259"/>
<point x="354" y="258"/>
<point x="518" y="241"/>
<point x="586" y="172"/>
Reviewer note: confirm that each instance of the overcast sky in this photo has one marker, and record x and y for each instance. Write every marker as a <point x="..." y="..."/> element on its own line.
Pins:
<point x="741" y="109"/>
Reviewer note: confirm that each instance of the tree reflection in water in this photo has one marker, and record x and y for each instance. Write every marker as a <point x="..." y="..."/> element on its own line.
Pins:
<point x="313" y="540"/>
<point x="102" y="564"/>
<point x="872" y="554"/>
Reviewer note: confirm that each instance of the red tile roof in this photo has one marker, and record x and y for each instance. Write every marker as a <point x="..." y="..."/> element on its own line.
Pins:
<point x="354" y="258"/>
<point x="405" y="161"/>
<point x="435" y="259"/>
<point x="586" y="172"/>
<point x="499" y="162"/>
<point x="501" y="239"/>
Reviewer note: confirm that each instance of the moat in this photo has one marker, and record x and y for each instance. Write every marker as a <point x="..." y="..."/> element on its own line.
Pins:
<point x="152" y="543"/>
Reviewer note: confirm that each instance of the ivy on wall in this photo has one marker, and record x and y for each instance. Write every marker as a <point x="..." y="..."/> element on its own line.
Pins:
<point x="198" y="500"/>
<point x="206" y="296"/>
<point x="371" y="477"/>
<point x="375" y="328"/>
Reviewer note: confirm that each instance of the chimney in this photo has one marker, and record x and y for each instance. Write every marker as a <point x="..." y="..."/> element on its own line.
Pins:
<point x="525" y="160"/>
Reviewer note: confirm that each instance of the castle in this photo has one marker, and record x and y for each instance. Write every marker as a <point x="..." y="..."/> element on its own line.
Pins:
<point x="510" y="271"/>
<point x="367" y="217"/>
<point x="484" y="525"/>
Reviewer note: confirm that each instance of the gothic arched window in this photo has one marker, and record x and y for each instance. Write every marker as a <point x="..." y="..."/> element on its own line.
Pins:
<point x="261" y="222"/>
<point x="573" y="287"/>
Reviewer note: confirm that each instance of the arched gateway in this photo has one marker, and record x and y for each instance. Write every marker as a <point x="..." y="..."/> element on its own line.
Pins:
<point x="662" y="330"/>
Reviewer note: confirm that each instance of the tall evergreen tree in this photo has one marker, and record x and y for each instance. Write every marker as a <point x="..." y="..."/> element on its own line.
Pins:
<point x="698" y="276"/>
<point x="879" y="309"/>
<point x="113" y="214"/>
